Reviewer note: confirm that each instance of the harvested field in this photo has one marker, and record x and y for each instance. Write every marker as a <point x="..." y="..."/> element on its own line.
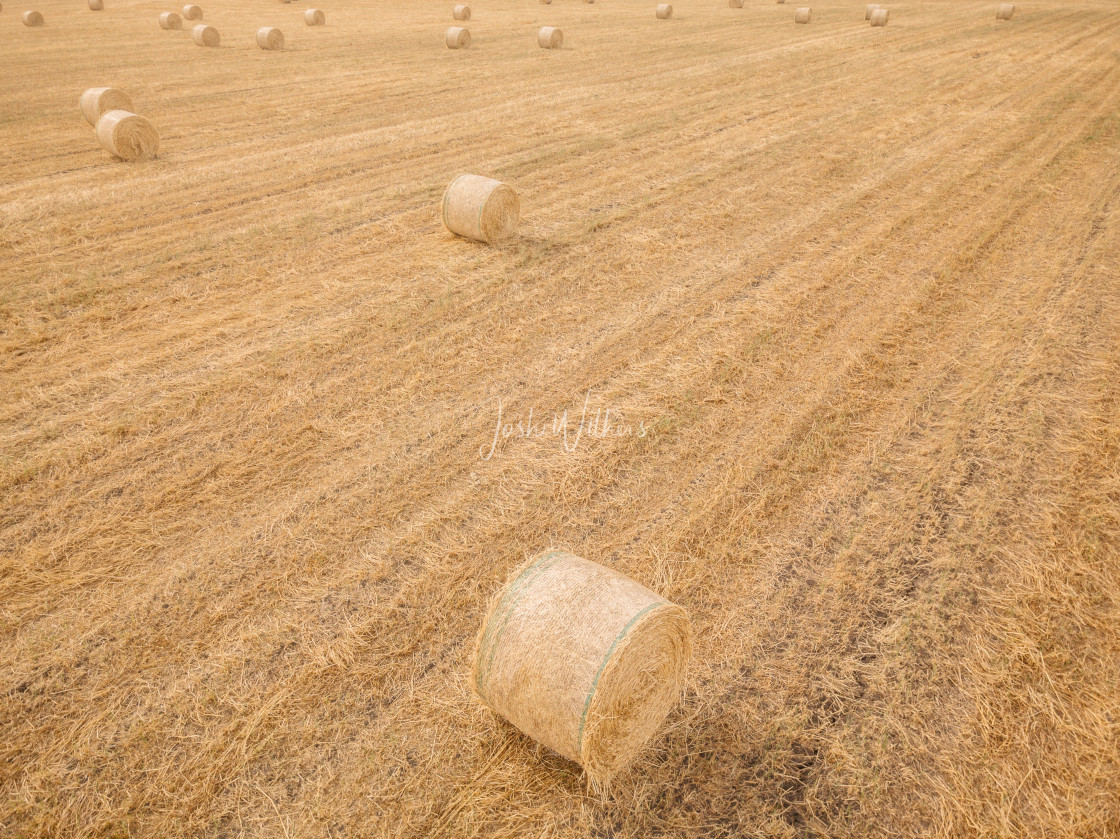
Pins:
<point x="859" y="288"/>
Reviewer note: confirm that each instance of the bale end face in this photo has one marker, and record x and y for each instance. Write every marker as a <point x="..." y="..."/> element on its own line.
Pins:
<point x="270" y="38"/>
<point x="664" y="11"/>
<point x="879" y="17"/>
<point x="206" y="36"/>
<point x="170" y="20"/>
<point x="314" y="17"/>
<point x="550" y="38"/>
<point x="583" y="659"/>
<point x="457" y="38"/>
<point x="192" y="12"/>
<point x="480" y="208"/>
<point x="804" y="14"/>
<point x="32" y="18"/>
<point x="461" y="12"/>
<point x="100" y="100"/>
<point x="127" y="136"/>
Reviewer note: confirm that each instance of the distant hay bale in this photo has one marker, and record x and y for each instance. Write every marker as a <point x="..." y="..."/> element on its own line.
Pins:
<point x="206" y="36"/>
<point x="100" y="100"/>
<point x="480" y="208"/>
<point x="270" y="38"/>
<point x="170" y="20"/>
<point x="192" y="12"/>
<point x="95" y="5"/>
<point x="735" y="4"/>
<point x="550" y="38"/>
<point x="582" y="659"/>
<point x="779" y="2"/>
<point x="804" y="14"/>
<point x="869" y="9"/>
<point x="545" y="2"/>
<point x="664" y="11"/>
<point x="314" y="17"/>
<point x="32" y="18"/>
<point x="1005" y="11"/>
<point x="585" y="1"/>
<point x="457" y="38"/>
<point x="879" y="17"/>
<point x="461" y="12"/>
<point x="127" y="136"/>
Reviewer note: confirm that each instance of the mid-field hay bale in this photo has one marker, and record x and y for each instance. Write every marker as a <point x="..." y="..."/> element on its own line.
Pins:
<point x="127" y="136"/>
<point x="206" y="36"/>
<point x="582" y="659"/>
<point x="170" y="20"/>
<point x="804" y="14"/>
<point x="480" y="208"/>
<point x="457" y="37"/>
<point x="32" y="18"/>
<point x="550" y="38"/>
<point x="314" y="17"/>
<point x="879" y="17"/>
<point x="735" y="4"/>
<point x="1005" y="11"/>
<point x="664" y="11"/>
<point x="461" y="12"/>
<point x="270" y="38"/>
<point x="192" y="12"/>
<point x="869" y="9"/>
<point x="95" y="5"/>
<point x="100" y="100"/>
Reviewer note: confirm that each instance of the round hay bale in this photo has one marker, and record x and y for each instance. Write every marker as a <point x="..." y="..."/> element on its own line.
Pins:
<point x="1005" y="11"/>
<point x="270" y="38"/>
<point x="480" y="208"/>
<point x="879" y="17"/>
<point x="461" y="12"/>
<point x="192" y="12"/>
<point x="32" y="18"/>
<point x="100" y="100"/>
<point x="545" y="2"/>
<point x="582" y="659"/>
<point x="550" y="38"/>
<point x="586" y="1"/>
<point x="735" y="4"/>
<point x="457" y="38"/>
<point x="314" y="17"/>
<point x="127" y="136"/>
<point x="95" y="5"/>
<point x="869" y="9"/>
<point x="804" y="14"/>
<point x="664" y="11"/>
<point x="170" y="20"/>
<point x="206" y="36"/>
<point x="779" y="2"/>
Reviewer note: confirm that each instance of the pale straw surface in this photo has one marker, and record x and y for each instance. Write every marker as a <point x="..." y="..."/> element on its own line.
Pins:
<point x="128" y="136"/>
<point x="97" y="100"/>
<point x="480" y="208"/>
<point x="583" y="659"/>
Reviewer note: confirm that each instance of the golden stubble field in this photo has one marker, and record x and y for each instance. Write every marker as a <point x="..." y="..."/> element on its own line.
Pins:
<point x="860" y="286"/>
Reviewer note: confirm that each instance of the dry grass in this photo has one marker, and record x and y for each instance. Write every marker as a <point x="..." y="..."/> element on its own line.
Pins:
<point x="246" y="533"/>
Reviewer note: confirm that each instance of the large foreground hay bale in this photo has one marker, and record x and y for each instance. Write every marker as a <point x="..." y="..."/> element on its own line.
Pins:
<point x="314" y="17"/>
<point x="100" y="100"/>
<point x="170" y="20"/>
<point x="206" y="36"/>
<point x="804" y="14"/>
<point x="1005" y="11"/>
<point x="127" y="136"/>
<point x="664" y="11"/>
<point x="95" y="5"/>
<point x="583" y="659"/>
<point x="32" y="18"/>
<point x="550" y="38"/>
<point x="270" y="38"/>
<point x="461" y="12"/>
<point x="879" y="17"/>
<point x="869" y="9"/>
<point x="457" y="38"/>
<point x="192" y="12"/>
<point x="480" y="208"/>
